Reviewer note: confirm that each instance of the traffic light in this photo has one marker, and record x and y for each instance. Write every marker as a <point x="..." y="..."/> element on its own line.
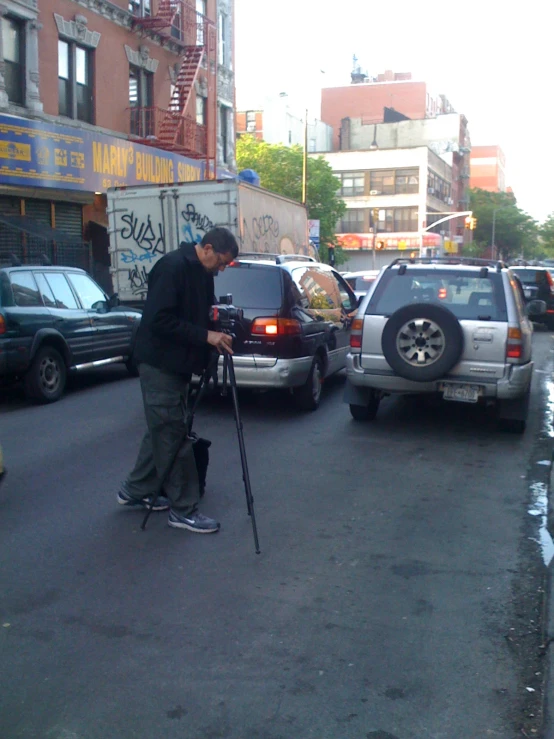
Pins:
<point x="468" y="222"/>
<point x="473" y="224"/>
<point x="380" y="245"/>
<point x="331" y="251"/>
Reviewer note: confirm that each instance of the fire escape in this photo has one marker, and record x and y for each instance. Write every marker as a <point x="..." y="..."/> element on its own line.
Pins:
<point x="174" y="128"/>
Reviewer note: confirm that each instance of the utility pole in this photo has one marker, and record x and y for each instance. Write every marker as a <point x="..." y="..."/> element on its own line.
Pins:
<point x="305" y="162"/>
<point x="493" y="232"/>
<point x="375" y="221"/>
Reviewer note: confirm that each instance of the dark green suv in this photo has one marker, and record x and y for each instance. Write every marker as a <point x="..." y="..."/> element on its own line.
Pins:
<point x="54" y="320"/>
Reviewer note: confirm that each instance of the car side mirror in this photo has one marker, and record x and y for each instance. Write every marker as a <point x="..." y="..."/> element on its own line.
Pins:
<point x="536" y="307"/>
<point x="101" y="306"/>
<point x="113" y="302"/>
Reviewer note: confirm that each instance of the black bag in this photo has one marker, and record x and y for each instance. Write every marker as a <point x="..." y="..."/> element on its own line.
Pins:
<point x="200" y="448"/>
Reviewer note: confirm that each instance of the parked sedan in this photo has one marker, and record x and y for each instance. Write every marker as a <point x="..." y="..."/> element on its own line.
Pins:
<point x="361" y="281"/>
<point x="54" y="320"/>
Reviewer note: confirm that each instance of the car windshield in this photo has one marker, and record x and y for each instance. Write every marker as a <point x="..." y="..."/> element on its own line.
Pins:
<point x="251" y="285"/>
<point x="466" y="294"/>
<point x="360" y="283"/>
<point x="529" y="276"/>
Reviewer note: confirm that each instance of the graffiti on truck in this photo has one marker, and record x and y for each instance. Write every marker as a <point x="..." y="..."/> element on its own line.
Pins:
<point x="260" y="233"/>
<point x="195" y="224"/>
<point x="138" y="279"/>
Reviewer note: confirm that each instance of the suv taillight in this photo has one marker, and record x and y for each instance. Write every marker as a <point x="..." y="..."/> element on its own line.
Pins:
<point x="276" y="327"/>
<point x="356" y="333"/>
<point x="2" y="325"/>
<point x="550" y="281"/>
<point x="514" y="347"/>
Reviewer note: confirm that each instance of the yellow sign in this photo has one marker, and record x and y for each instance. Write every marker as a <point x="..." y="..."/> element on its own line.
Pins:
<point x="402" y="244"/>
<point x="19" y="152"/>
<point x="450" y="247"/>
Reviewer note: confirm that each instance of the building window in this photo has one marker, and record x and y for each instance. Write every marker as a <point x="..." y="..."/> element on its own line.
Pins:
<point x="438" y="187"/>
<point x="352" y="183"/>
<point x="75" y="81"/>
<point x="222" y="39"/>
<point x="13" y="43"/>
<point x="251" y="121"/>
<point x="405" y="219"/>
<point x="352" y="221"/>
<point x="140" y="8"/>
<point x="381" y="182"/>
<point x="224" y="132"/>
<point x="202" y="10"/>
<point x="200" y="110"/>
<point x="141" y="101"/>
<point x="406" y="181"/>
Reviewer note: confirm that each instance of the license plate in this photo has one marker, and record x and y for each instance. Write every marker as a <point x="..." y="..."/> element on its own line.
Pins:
<point x="461" y="393"/>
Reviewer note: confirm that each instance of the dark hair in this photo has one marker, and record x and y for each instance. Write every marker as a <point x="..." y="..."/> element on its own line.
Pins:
<point x="222" y="241"/>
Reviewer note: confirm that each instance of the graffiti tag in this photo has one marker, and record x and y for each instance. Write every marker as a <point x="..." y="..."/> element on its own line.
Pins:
<point x="147" y="236"/>
<point x="129" y="257"/>
<point x="191" y="215"/>
<point x="261" y="234"/>
<point x="138" y="280"/>
<point x="265" y="225"/>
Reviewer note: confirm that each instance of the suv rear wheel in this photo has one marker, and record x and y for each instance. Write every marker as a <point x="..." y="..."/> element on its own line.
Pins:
<point x="45" y="380"/>
<point x="422" y="342"/>
<point x="308" y="396"/>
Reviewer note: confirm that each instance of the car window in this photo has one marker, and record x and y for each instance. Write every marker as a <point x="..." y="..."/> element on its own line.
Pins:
<point x="348" y="301"/>
<point x="25" y="291"/>
<point x="530" y="276"/>
<point x="466" y="294"/>
<point x="519" y="297"/>
<point x="45" y="289"/>
<point x="88" y="291"/>
<point x="251" y="285"/>
<point x="320" y="292"/>
<point x="362" y="284"/>
<point x="62" y="292"/>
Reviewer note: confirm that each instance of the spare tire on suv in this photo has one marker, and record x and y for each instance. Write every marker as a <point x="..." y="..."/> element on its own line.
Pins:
<point x="422" y="342"/>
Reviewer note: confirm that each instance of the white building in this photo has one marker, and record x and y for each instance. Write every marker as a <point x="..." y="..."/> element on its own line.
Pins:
<point x="410" y="188"/>
<point x="280" y="122"/>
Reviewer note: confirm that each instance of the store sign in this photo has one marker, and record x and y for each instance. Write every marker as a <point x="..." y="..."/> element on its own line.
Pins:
<point x="38" y="154"/>
<point x="314" y="226"/>
<point x="398" y="241"/>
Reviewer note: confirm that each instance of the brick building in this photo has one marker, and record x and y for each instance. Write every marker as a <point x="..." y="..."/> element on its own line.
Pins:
<point x="488" y="167"/>
<point x="106" y="93"/>
<point x="369" y="98"/>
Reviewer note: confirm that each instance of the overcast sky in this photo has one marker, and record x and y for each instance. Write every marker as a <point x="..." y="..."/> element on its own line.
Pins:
<point x="493" y="60"/>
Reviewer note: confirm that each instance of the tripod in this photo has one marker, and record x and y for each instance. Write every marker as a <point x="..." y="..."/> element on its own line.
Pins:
<point x="229" y="379"/>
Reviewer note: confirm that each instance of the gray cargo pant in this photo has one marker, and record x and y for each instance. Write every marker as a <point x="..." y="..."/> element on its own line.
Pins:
<point x="165" y="397"/>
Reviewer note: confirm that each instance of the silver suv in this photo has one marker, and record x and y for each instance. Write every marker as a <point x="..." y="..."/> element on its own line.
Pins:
<point x="458" y="327"/>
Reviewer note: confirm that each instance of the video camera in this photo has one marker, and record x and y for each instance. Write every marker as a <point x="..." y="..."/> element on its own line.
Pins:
<point x="224" y="315"/>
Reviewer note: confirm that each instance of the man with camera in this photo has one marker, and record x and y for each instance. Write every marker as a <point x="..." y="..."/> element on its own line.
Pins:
<point x="174" y="341"/>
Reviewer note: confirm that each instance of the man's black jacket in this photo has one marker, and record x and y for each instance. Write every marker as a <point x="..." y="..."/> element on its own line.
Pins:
<point x="174" y="327"/>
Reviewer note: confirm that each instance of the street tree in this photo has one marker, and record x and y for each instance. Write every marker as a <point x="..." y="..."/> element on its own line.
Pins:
<point x="280" y="170"/>
<point x="515" y="232"/>
<point x="547" y="236"/>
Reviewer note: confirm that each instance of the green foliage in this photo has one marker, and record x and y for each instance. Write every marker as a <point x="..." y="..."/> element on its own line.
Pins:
<point x="547" y="237"/>
<point x="280" y="170"/>
<point x="516" y="233"/>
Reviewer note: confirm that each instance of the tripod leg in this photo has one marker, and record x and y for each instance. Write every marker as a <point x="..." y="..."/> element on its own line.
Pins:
<point x="228" y="359"/>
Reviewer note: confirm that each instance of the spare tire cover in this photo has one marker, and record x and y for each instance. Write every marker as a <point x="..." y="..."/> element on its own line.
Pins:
<point x="422" y="342"/>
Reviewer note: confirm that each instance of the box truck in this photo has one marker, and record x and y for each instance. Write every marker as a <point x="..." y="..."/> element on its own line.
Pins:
<point x="147" y="221"/>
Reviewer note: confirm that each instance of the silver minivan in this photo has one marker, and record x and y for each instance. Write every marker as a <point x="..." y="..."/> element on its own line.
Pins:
<point x="454" y="326"/>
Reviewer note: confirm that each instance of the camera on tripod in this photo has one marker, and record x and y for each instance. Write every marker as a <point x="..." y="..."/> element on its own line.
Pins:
<point x="224" y="315"/>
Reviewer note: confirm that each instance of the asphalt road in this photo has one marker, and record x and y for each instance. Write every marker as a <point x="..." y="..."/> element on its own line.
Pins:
<point x="398" y="594"/>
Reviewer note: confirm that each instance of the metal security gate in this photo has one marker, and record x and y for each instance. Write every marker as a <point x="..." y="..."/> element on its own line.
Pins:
<point x="31" y="239"/>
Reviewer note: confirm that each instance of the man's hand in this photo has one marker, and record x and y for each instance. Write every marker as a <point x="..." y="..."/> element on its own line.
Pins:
<point x="222" y="342"/>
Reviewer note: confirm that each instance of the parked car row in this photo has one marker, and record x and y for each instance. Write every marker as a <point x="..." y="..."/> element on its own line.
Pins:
<point x="458" y="327"/>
